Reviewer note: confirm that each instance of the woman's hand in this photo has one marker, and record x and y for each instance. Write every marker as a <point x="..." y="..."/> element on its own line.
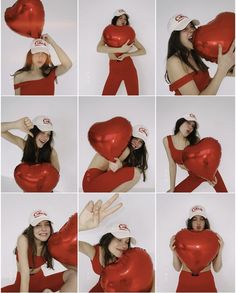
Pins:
<point x="48" y="39"/>
<point x="213" y="182"/>
<point x="93" y="213"/>
<point x="172" y="243"/>
<point x="114" y="166"/>
<point x="126" y="48"/>
<point x="25" y="124"/>
<point x="122" y="57"/>
<point x="226" y="61"/>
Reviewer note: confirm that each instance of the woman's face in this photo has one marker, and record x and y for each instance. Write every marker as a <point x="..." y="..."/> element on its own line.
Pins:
<point x="186" y="36"/>
<point x="136" y="143"/>
<point x="39" y="59"/>
<point x="42" y="138"/>
<point x="118" y="246"/>
<point x="122" y="20"/>
<point x="42" y="231"/>
<point x="198" y="223"/>
<point x="187" y="127"/>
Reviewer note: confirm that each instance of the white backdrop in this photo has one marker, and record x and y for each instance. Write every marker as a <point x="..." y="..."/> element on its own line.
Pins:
<point x="94" y="67"/>
<point x="138" y="212"/>
<point x="204" y="11"/>
<point x="172" y="212"/>
<point x="60" y="23"/>
<point x="216" y="118"/>
<point x="15" y="215"/>
<point x="136" y="110"/>
<point x="62" y="112"/>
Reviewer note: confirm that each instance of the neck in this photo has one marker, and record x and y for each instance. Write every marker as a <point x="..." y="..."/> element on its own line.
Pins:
<point x="179" y="135"/>
<point x="35" y="69"/>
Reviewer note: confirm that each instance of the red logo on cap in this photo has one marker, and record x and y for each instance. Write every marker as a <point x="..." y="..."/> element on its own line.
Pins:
<point x="197" y="209"/>
<point x="192" y="115"/>
<point x="47" y="121"/>
<point x="123" y="227"/>
<point x="143" y="130"/>
<point x="39" y="43"/>
<point x="180" y="17"/>
<point x="39" y="213"/>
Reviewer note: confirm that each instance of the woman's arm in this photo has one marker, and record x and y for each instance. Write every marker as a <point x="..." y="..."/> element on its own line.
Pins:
<point x="140" y="51"/>
<point x="217" y="262"/>
<point x="177" y="264"/>
<point x="66" y="63"/>
<point x="114" y="166"/>
<point x="87" y="249"/>
<point x="22" y="250"/>
<point x="54" y="160"/>
<point x="103" y="48"/>
<point x="172" y="166"/>
<point x="24" y="124"/>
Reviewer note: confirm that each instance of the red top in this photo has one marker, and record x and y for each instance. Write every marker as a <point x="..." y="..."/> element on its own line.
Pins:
<point x="176" y="154"/>
<point x="40" y="87"/>
<point x="97" y="267"/>
<point x="38" y="260"/>
<point x="201" y="78"/>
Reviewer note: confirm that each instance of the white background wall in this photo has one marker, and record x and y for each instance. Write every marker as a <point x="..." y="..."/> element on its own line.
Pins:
<point x="138" y="212"/>
<point x="94" y="67"/>
<point x="216" y="118"/>
<point x="60" y="24"/>
<point x="204" y="11"/>
<point x="62" y="112"/>
<point x="14" y="219"/>
<point x="172" y="212"/>
<point x="136" y="110"/>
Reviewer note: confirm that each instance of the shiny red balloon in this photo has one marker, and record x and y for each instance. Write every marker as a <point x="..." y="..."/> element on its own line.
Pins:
<point x="26" y="17"/>
<point x="62" y="245"/>
<point x="133" y="272"/>
<point x="110" y="138"/>
<point x="116" y="36"/>
<point x="36" y="178"/>
<point x="196" y="249"/>
<point x="203" y="158"/>
<point x="220" y="30"/>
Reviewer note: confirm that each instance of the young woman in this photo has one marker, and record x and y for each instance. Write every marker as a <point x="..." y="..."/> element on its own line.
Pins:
<point x="38" y="75"/>
<point x="37" y="148"/>
<point x="204" y="282"/>
<point x="185" y="133"/>
<point x="121" y="65"/>
<point x="185" y="70"/>
<point x="121" y="175"/>
<point x="31" y="253"/>
<point x="112" y="245"/>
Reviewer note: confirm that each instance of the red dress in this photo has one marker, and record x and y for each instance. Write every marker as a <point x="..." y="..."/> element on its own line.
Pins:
<point x="97" y="268"/>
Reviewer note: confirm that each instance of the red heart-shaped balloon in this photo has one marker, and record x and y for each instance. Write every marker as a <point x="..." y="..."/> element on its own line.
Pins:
<point x="220" y="30"/>
<point x="196" y="249"/>
<point x="111" y="137"/>
<point x="133" y="272"/>
<point x="36" y="178"/>
<point x="26" y="17"/>
<point x="62" y="245"/>
<point x="116" y="36"/>
<point x="203" y="158"/>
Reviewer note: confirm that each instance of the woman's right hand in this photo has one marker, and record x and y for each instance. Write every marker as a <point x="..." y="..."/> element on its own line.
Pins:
<point x="25" y="124"/>
<point x="226" y="61"/>
<point x="126" y="48"/>
<point x="94" y="213"/>
<point x="114" y="166"/>
<point x="172" y="243"/>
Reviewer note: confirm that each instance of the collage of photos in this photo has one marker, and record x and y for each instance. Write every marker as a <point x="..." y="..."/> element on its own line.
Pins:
<point x="109" y="181"/>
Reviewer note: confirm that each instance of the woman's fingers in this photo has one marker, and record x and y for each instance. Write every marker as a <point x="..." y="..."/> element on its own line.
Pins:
<point x="110" y="211"/>
<point x="110" y="201"/>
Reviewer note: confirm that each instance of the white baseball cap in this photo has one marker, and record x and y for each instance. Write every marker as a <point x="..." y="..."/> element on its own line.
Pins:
<point x="122" y="231"/>
<point x="197" y="210"/>
<point x="119" y="12"/>
<point x="179" y="22"/>
<point x="39" y="45"/>
<point x="38" y="216"/>
<point x="191" y="117"/>
<point x="43" y="123"/>
<point x="140" y="131"/>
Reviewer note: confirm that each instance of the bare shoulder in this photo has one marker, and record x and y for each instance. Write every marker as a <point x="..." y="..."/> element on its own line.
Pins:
<point x="20" y="77"/>
<point x="22" y="241"/>
<point x="164" y="140"/>
<point x="173" y="61"/>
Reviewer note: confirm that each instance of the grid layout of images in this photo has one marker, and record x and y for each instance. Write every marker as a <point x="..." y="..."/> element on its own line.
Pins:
<point x="118" y="146"/>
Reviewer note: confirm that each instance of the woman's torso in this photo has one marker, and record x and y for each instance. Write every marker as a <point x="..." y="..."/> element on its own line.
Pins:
<point x="176" y="149"/>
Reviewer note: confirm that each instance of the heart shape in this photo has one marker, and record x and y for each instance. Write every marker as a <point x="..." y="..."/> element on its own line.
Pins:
<point x="203" y="158"/>
<point x="117" y="36"/>
<point x="26" y="17"/>
<point x="220" y="30"/>
<point x="110" y="138"/>
<point x="62" y="245"/>
<point x="196" y="249"/>
<point x="36" y="178"/>
<point x="133" y="272"/>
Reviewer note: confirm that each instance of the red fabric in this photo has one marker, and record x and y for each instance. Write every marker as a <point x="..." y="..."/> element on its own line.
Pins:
<point x="44" y="86"/>
<point x="201" y="78"/>
<point x="204" y="282"/>
<point x="38" y="260"/>
<point x="121" y="71"/>
<point x="96" y="180"/>
<point x="175" y="154"/>
<point x="192" y="182"/>
<point x="38" y="282"/>
<point x="97" y="267"/>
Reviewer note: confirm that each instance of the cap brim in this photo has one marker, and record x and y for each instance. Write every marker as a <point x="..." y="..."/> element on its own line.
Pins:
<point x="39" y="50"/>
<point x="182" y="25"/>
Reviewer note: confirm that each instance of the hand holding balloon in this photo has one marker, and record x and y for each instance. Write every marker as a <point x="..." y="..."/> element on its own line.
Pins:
<point x="226" y="61"/>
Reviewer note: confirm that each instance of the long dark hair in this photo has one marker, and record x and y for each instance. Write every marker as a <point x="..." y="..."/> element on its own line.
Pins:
<point x="104" y="243"/>
<point x="29" y="234"/>
<point x="137" y="158"/>
<point x="189" y="224"/>
<point x="193" y="137"/>
<point x="114" y="19"/>
<point x="45" y="69"/>
<point x="176" y="48"/>
<point x="32" y="154"/>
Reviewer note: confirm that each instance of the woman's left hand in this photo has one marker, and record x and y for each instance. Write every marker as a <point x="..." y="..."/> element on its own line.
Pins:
<point x="114" y="166"/>
<point x="122" y="57"/>
<point x="213" y="182"/>
<point x="47" y="38"/>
